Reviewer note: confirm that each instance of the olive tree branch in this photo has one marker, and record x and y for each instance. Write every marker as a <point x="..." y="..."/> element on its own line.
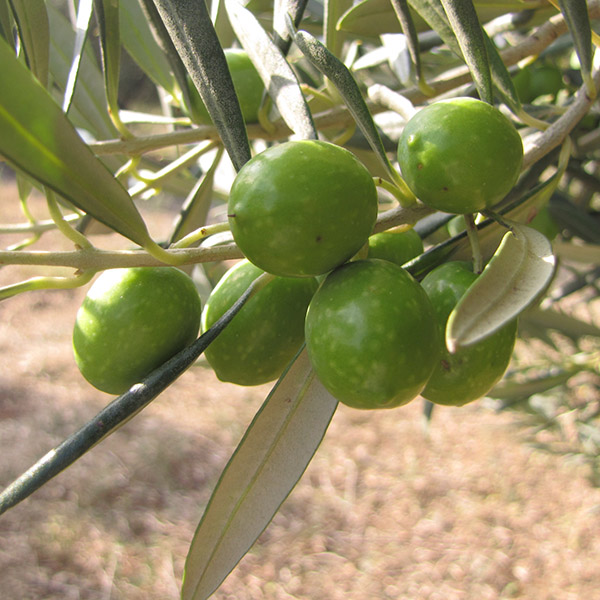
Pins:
<point x="46" y="283"/>
<point x="539" y="144"/>
<point x="36" y="226"/>
<point x="95" y="259"/>
<point x="99" y="260"/>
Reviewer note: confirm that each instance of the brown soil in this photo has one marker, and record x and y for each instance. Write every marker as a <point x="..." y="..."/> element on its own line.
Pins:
<point x="385" y="510"/>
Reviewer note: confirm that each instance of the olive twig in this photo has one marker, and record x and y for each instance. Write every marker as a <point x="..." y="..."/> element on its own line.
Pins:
<point x="36" y="227"/>
<point x="199" y="234"/>
<point x="399" y="190"/>
<point x="539" y="144"/>
<point x="46" y="283"/>
<point x="183" y="161"/>
<point x="63" y="226"/>
<point x="100" y="260"/>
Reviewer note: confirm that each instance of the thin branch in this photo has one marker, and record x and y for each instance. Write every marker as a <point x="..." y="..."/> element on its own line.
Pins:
<point x="540" y="144"/>
<point x="98" y="260"/>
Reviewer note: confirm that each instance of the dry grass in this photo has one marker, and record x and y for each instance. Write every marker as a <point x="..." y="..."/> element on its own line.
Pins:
<point x="385" y="510"/>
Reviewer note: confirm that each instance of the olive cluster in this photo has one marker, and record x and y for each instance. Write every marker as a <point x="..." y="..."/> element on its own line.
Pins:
<point x="304" y="212"/>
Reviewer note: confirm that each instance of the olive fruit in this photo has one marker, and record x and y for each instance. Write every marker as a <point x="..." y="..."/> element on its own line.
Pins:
<point x="132" y="321"/>
<point x="460" y="155"/>
<point x="265" y="334"/>
<point x="471" y="371"/>
<point x="371" y="334"/>
<point x="398" y="245"/>
<point x="302" y="208"/>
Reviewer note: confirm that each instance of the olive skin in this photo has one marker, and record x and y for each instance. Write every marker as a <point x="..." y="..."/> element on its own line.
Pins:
<point x="460" y="155"/>
<point x="302" y="208"/>
<point x="472" y="371"/>
<point x="398" y="246"/>
<point x="265" y="334"/>
<point x="132" y="321"/>
<point x="371" y="335"/>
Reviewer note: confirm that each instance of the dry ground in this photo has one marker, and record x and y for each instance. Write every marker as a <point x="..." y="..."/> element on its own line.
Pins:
<point x="465" y="512"/>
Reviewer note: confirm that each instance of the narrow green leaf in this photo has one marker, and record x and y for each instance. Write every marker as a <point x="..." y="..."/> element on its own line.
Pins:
<point x="38" y="138"/>
<point x="405" y="18"/>
<point x="277" y="75"/>
<point x="580" y="253"/>
<point x="194" y="211"/>
<point x="512" y="391"/>
<point x="374" y="17"/>
<point x="335" y="70"/>
<point x="559" y="321"/>
<point x="293" y="8"/>
<point x="577" y="18"/>
<point x="107" y="15"/>
<point x="34" y="32"/>
<point x="503" y="82"/>
<point x="467" y="28"/>
<point x="333" y="37"/>
<point x="223" y="29"/>
<point x="190" y="95"/>
<point x="141" y="45"/>
<point x="193" y="35"/>
<point x="82" y="23"/>
<point x="270" y="459"/>
<point x="518" y="272"/>
<point x="88" y="108"/>
<point x="432" y="12"/>
<point x="116" y="414"/>
<point x="5" y="21"/>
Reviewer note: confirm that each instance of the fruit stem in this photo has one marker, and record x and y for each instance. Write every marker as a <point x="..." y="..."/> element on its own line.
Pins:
<point x="200" y="233"/>
<point x="183" y="161"/>
<point x="46" y="283"/>
<point x="473" y="236"/>
<point x="62" y="225"/>
<point x="399" y="190"/>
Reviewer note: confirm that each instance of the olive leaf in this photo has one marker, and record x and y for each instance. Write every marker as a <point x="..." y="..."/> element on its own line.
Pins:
<point x="278" y="76"/>
<point x="465" y="24"/>
<point x="374" y="17"/>
<point x="139" y="41"/>
<point x="518" y="272"/>
<point x="511" y="392"/>
<point x="82" y="23"/>
<point x="34" y="32"/>
<point x="335" y="70"/>
<point x="293" y="8"/>
<point x="577" y="18"/>
<point x="490" y="232"/>
<point x="38" y="138"/>
<point x="548" y="318"/>
<point x="270" y="459"/>
<point x="407" y="24"/>
<point x="87" y="108"/>
<point x="193" y="35"/>
<point x="333" y="37"/>
<point x="5" y="21"/>
<point x="107" y="15"/>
